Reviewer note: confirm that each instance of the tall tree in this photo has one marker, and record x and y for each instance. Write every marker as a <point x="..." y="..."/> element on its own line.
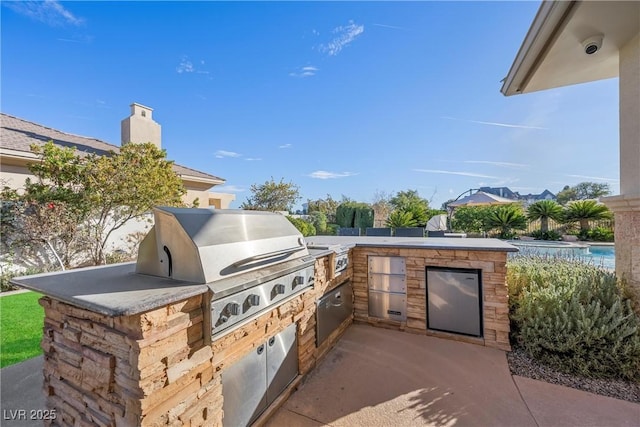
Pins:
<point x="381" y="208"/>
<point x="584" y="211"/>
<point x="326" y="206"/>
<point x="77" y="201"/>
<point x="544" y="210"/>
<point x="583" y="191"/>
<point x="126" y="185"/>
<point x="410" y="201"/>
<point x="272" y="196"/>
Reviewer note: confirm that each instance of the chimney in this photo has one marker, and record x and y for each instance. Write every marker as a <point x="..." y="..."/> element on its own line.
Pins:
<point x="140" y="127"/>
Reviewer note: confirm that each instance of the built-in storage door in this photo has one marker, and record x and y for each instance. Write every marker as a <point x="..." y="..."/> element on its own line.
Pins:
<point x="333" y="309"/>
<point x="387" y="283"/>
<point x="282" y="362"/>
<point x="244" y="386"/>
<point x="255" y="381"/>
<point x="454" y="301"/>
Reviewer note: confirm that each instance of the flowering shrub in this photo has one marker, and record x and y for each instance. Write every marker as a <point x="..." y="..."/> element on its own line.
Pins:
<point x="573" y="316"/>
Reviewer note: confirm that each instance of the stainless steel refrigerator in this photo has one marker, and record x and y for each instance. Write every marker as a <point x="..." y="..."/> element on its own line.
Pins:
<point x="454" y="300"/>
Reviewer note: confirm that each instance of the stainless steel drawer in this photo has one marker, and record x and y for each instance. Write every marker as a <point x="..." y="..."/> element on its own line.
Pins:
<point x="385" y="305"/>
<point x="387" y="283"/>
<point x="387" y="264"/>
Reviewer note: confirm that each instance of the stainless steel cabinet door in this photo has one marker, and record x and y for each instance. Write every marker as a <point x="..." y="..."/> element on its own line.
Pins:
<point x="384" y="305"/>
<point x="244" y="386"/>
<point x="282" y="361"/>
<point x="333" y="309"/>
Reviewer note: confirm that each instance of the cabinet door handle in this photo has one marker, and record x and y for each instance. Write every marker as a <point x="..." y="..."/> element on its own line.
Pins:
<point x="261" y="349"/>
<point x="272" y="341"/>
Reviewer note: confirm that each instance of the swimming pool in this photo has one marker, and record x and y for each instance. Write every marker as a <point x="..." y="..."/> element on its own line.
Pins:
<point x="603" y="255"/>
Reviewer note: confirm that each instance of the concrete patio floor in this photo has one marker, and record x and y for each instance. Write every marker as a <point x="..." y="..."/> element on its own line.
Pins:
<point x="379" y="377"/>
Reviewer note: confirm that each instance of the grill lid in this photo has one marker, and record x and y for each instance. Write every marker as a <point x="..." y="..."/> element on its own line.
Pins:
<point x="204" y="245"/>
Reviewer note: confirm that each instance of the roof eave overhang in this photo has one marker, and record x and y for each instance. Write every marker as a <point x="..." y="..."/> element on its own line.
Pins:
<point x="201" y="180"/>
<point x="548" y="23"/>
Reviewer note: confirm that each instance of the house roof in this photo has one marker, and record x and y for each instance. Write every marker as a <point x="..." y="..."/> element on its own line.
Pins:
<point x="481" y="198"/>
<point x="18" y="134"/>
<point x="500" y="191"/>
<point x="552" y="53"/>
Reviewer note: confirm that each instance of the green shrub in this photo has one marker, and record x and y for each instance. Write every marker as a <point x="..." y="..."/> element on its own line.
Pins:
<point x="546" y="235"/>
<point x="363" y="216"/>
<point x="5" y="278"/>
<point x="574" y="317"/>
<point x="598" y="234"/>
<point x="332" y="230"/>
<point x="345" y="214"/>
<point x="304" y="227"/>
<point x="319" y="221"/>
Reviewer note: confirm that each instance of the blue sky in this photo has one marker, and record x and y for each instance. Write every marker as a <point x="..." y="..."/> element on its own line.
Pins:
<point x="341" y="98"/>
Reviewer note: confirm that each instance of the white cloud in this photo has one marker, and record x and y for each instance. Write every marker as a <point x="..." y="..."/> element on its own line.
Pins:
<point x="344" y="35"/>
<point x="229" y="189"/>
<point x="330" y="175"/>
<point x="307" y="71"/>
<point x="475" y="175"/>
<point x="501" y="164"/>
<point x="50" y="12"/>
<point x="185" y="66"/>
<point x="285" y="146"/>
<point x="223" y="153"/>
<point x="506" y="125"/>
<point x="253" y="159"/>
<point x="393" y="27"/>
<point x="595" y="178"/>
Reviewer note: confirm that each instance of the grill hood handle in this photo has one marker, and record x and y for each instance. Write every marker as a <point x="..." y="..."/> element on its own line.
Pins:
<point x="268" y="255"/>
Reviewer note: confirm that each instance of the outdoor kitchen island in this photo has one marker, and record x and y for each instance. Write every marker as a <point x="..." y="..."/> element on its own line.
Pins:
<point x="143" y="344"/>
<point x="413" y="284"/>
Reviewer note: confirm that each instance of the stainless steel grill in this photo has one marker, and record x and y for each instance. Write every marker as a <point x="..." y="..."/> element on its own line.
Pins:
<point x="340" y="257"/>
<point x="252" y="261"/>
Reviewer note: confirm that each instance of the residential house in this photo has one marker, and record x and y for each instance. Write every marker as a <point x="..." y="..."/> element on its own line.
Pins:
<point x="572" y="42"/>
<point x="526" y="199"/>
<point x="17" y="135"/>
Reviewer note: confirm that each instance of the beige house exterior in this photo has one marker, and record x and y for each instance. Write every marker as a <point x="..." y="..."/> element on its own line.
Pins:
<point x="573" y="42"/>
<point x="17" y="135"/>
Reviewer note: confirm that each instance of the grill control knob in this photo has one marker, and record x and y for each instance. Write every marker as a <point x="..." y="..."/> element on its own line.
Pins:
<point x="233" y="308"/>
<point x="253" y="300"/>
<point x="279" y="289"/>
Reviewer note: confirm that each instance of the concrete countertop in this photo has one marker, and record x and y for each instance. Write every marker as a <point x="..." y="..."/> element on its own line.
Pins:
<point x="319" y="253"/>
<point x="441" y="243"/>
<point x="113" y="290"/>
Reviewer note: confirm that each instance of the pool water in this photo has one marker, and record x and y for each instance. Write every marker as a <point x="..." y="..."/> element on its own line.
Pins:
<point x="601" y="255"/>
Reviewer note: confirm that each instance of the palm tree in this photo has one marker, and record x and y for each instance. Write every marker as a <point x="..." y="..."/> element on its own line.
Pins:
<point x="585" y="211"/>
<point x="400" y="218"/>
<point x="544" y="210"/>
<point x="506" y="218"/>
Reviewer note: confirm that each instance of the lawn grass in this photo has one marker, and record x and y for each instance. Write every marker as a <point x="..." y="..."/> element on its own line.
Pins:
<point x="21" y="320"/>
